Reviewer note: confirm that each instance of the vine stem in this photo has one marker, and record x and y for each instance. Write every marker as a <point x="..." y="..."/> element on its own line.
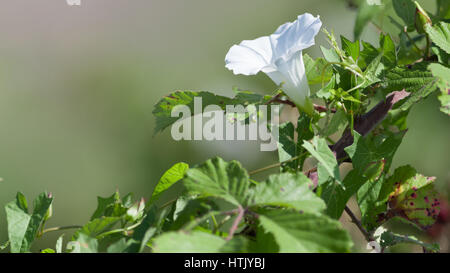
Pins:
<point x="275" y="165"/>
<point x="356" y="221"/>
<point x="59" y="228"/>
<point x="236" y="222"/>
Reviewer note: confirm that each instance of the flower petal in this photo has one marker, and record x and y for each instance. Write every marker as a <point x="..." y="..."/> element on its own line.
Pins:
<point x="250" y="56"/>
<point x="292" y="74"/>
<point x="294" y="36"/>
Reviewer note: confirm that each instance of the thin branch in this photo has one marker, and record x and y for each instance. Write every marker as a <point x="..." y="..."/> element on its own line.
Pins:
<point x="355" y="220"/>
<point x="318" y="108"/>
<point x="236" y="222"/>
<point x="59" y="228"/>
<point x="275" y="165"/>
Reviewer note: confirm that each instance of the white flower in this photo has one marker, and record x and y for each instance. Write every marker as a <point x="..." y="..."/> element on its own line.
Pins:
<point x="280" y="57"/>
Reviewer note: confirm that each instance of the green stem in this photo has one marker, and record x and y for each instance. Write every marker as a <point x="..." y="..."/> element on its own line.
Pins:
<point x="104" y="234"/>
<point x="200" y="220"/>
<point x="276" y="165"/>
<point x="59" y="228"/>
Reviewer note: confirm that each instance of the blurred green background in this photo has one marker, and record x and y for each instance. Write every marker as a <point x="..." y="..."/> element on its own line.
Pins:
<point x="78" y="85"/>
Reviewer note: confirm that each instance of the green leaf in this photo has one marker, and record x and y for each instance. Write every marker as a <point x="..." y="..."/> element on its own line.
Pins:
<point x="315" y="68"/>
<point x="338" y="121"/>
<point x="144" y="232"/>
<point x="406" y="10"/>
<point x="305" y="232"/>
<point x="87" y="244"/>
<point x="387" y="47"/>
<point x="169" y="178"/>
<point x="367" y="55"/>
<point x="336" y="197"/>
<point x="373" y="71"/>
<point x="367" y="197"/>
<point x="443" y="74"/>
<point x="287" y="148"/>
<point x="107" y="206"/>
<point x="365" y="151"/>
<point x="188" y="242"/>
<point x="351" y="48"/>
<point x="440" y="35"/>
<point x="119" y="246"/>
<point x="23" y="227"/>
<point x="369" y="157"/>
<point x="411" y="196"/>
<point x="417" y="81"/>
<point x="286" y="190"/>
<point x="163" y="109"/>
<point x="319" y="149"/>
<point x="96" y="227"/>
<point x="217" y="178"/>
<point x="388" y="239"/>
<point x="330" y="55"/>
<point x="188" y="210"/>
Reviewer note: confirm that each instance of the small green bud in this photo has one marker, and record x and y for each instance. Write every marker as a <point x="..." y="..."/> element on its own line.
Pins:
<point x="422" y="18"/>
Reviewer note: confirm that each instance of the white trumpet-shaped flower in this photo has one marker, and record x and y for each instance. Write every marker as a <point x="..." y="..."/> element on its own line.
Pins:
<point x="280" y="57"/>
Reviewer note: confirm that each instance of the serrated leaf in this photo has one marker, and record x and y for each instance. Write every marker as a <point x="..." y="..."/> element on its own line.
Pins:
<point x="163" y="109"/>
<point x="319" y="149"/>
<point x="388" y="239"/>
<point x="440" y="35"/>
<point x="215" y="177"/>
<point x="305" y="232"/>
<point x="443" y="74"/>
<point x="286" y="190"/>
<point x="169" y="178"/>
<point x="411" y="196"/>
<point x="188" y="242"/>
<point x="417" y="81"/>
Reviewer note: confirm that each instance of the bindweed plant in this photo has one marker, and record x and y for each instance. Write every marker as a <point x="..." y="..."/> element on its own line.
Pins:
<point x="353" y="103"/>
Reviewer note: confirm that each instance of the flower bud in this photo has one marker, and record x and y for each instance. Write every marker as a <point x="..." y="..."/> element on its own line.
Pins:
<point x="422" y="18"/>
